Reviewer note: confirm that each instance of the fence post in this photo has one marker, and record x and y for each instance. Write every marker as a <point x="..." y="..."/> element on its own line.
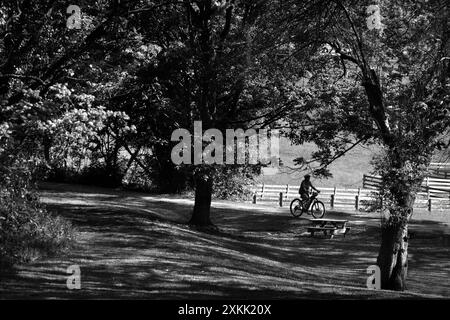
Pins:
<point x="262" y="192"/>
<point x="334" y="196"/>
<point x="429" y="204"/>
<point x="364" y="180"/>
<point x="281" y="199"/>
<point x="428" y="188"/>
<point x="254" y="197"/>
<point x="287" y="190"/>
<point x="332" y="201"/>
<point x="357" y="199"/>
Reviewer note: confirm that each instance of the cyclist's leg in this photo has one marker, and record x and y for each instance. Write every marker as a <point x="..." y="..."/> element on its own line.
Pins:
<point x="305" y="201"/>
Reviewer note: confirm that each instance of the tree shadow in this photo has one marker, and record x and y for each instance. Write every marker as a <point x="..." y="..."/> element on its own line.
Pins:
<point x="134" y="246"/>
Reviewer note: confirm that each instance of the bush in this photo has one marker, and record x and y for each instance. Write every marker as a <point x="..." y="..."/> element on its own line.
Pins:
<point x="137" y="179"/>
<point x="234" y="183"/>
<point x="101" y="176"/>
<point x="27" y="230"/>
<point x="160" y="176"/>
<point x="95" y="174"/>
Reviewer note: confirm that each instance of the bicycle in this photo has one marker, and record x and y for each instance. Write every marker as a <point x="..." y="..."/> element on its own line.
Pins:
<point x="316" y="208"/>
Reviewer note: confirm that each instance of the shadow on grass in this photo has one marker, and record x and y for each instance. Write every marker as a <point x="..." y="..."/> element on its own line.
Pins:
<point x="127" y="249"/>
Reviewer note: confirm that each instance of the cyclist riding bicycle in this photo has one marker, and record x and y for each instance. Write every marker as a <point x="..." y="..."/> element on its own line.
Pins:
<point x="305" y="188"/>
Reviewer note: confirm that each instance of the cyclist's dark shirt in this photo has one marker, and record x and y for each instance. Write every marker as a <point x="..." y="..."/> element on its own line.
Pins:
<point x="305" y="187"/>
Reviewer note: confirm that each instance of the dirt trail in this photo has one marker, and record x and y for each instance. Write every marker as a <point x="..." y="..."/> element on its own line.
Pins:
<point x="133" y="245"/>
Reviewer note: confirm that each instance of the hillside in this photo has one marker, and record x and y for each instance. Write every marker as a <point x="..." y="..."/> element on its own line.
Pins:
<point x="347" y="171"/>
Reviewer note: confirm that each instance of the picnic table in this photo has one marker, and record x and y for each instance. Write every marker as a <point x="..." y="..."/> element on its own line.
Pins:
<point x="329" y="227"/>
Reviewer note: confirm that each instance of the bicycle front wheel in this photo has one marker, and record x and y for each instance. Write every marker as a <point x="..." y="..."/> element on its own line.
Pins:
<point x="296" y="207"/>
<point x="318" y="209"/>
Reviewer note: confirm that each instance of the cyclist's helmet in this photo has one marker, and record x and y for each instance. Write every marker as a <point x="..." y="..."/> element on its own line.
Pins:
<point x="307" y="176"/>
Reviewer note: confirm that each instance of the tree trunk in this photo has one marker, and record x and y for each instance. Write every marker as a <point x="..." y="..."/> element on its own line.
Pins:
<point x="393" y="256"/>
<point x="202" y="206"/>
<point x="393" y="253"/>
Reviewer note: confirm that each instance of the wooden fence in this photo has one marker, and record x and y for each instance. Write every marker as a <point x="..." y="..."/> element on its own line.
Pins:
<point x="331" y="197"/>
<point x="438" y="181"/>
<point x="439" y="170"/>
<point x="432" y="187"/>
<point x="344" y="198"/>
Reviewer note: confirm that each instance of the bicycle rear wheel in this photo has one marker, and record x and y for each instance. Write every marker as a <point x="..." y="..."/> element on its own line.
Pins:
<point x="318" y="209"/>
<point x="296" y="207"/>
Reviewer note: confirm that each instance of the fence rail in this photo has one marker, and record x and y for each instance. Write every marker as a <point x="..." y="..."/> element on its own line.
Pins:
<point x="346" y="198"/>
<point x="433" y="187"/>
<point x="439" y="170"/>
<point x="333" y="197"/>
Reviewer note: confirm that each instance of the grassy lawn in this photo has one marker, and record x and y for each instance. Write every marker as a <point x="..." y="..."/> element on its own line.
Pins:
<point x="133" y="245"/>
<point x="347" y="171"/>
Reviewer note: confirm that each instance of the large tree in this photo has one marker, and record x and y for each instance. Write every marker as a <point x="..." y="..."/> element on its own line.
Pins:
<point x="375" y="80"/>
<point x="211" y="68"/>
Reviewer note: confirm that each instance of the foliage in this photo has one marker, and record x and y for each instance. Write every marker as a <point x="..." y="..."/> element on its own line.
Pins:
<point x="85" y="145"/>
<point x="365" y="86"/>
<point x="27" y="230"/>
<point x="235" y="183"/>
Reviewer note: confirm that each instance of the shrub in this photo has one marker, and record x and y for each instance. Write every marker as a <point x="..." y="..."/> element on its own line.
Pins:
<point x="234" y="183"/>
<point x="137" y="179"/>
<point x="27" y="230"/>
<point x="95" y="174"/>
<point x="101" y="175"/>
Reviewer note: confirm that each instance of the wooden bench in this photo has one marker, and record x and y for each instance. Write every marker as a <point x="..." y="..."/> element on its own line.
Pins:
<point x="329" y="227"/>
<point x="326" y="230"/>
